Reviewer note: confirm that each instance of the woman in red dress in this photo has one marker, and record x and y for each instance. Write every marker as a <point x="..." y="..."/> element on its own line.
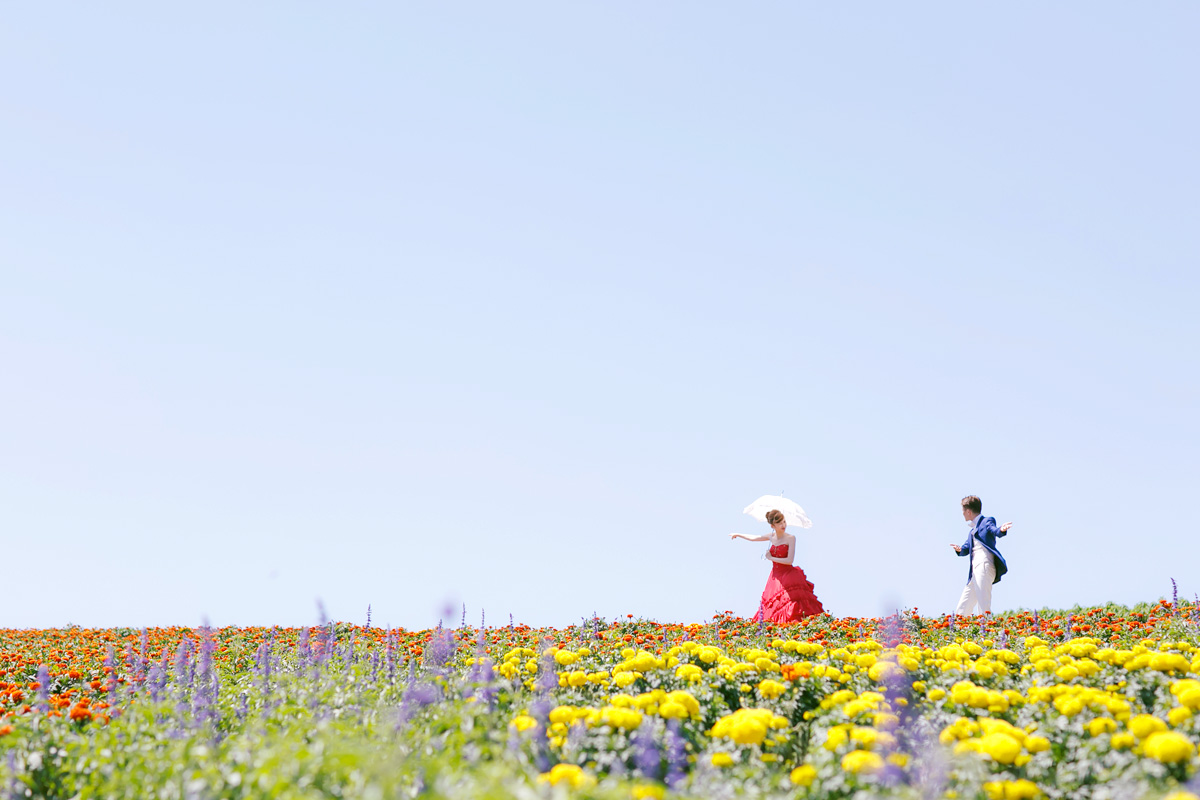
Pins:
<point x="788" y="595"/>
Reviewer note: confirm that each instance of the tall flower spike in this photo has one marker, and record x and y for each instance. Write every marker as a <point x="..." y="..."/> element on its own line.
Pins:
<point x="43" y="690"/>
<point x="676" y="755"/>
<point x="646" y="754"/>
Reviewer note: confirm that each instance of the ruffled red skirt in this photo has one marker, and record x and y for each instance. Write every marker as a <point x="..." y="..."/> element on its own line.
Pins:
<point x="788" y="596"/>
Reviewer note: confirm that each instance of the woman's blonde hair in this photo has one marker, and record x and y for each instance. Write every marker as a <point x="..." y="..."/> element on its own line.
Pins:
<point x="774" y="516"/>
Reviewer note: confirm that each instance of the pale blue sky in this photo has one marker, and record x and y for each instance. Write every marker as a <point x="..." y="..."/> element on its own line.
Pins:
<point x="518" y="305"/>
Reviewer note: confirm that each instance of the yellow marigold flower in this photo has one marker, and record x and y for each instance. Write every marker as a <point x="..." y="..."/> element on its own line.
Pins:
<point x="886" y="722"/>
<point x="1037" y="744"/>
<point x="684" y="699"/>
<point x="918" y="686"/>
<point x="745" y="726"/>
<point x="1021" y="790"/>
<point x="1101" y="725"/>
<point x="563" y="714"/>
<point x="568" y="774"/>
<point x="771" y="689"/>
<point x="669" y="710"/>
<point x="1190" y="698"/>
<point x="565" y="658"/>
<point x="1122" y="741"/>
<point x="722" y="760"/>
<point x="1001" y="747"/>
<point x="862" y="761"/>
<point x="769" y="757"/>
<point x="625" y="679"/>
<point x="936" y="694"/>
<point x="1182" y="796"/>
<point x="835" y="738"/>
<point x="804" y="775"/>
<point x="1143" y="725"/>
<point x="1178" y="716"/>
<point x="1181" y="686"/>
<point x="618" y="717"/>
<point x="884" y="670"/>
<point x="1067" y="673"/>
<point x="1169" y="662"/>
<point x="899" y="759"/>
<point x="968" y="746"/>
<point x="689" y="672"/>
<point x="648" y="791"/>
<point x="1068" y="706"/>
<point x="1011" y="790"/>
<point x="1169" y="747"/>
<point x="523" y="723"/>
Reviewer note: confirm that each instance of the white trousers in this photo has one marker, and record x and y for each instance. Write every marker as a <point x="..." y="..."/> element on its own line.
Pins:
<point x="979" y="588"/>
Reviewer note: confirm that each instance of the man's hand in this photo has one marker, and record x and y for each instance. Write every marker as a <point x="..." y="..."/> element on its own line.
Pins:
<point x="1004" y="528"/>
<point x="957" y="549"/>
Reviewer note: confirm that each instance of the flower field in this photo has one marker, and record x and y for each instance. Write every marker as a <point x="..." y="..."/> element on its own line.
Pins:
<point x="1095" y="702"/>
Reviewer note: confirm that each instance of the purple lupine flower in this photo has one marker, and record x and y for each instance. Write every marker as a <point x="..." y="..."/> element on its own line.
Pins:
<point x="262" y="663"/>
<point x="110" y="668"/>
<point x="43" y="690"/>
<point x="646" y="757"/>
<point x="547" y="679"/>
<point x="1002" y="640"/>
<point x="931" y="769"/>
<point x="302" y="649"/>
<point x="463" y="622"/>
<point x="510" y="622"/>
<point x="482" y="673"/>
<point x="1037" y="625"/>
<point x="181" y="661"/>
<point x="156" y="682"/>
<point x="891" y="631"/>
<point x="130" y="661"/>
<point x="441" y="649"/>
<point x="321" y="615"/>
<point x="329" y="642"/>
<point x="368" y="616"/>
<point x="1174" y="597"/>
<point x="416" y="697"/>
<point x="16" y="788"/>
<point x="952" y="623"/>
<point x="388" y="661"/>
<point x="204" y="695"/>
<point x="676" y="755"/>
<point x="143" y="663"/>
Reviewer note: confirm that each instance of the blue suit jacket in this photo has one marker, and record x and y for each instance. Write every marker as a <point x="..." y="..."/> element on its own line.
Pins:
<point x="986" y="531"/>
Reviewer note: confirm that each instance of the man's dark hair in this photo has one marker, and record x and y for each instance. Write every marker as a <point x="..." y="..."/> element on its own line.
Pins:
<point x="974" y="503"/>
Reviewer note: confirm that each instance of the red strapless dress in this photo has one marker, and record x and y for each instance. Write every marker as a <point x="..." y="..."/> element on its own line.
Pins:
<point x="788" y="595"/>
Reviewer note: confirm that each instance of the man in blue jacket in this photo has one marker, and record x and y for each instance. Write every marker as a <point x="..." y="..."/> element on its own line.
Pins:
<point x="987" y="565"/>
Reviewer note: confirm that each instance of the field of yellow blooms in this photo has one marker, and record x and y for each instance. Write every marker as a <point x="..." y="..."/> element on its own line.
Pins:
<point x="1091" y="703"/>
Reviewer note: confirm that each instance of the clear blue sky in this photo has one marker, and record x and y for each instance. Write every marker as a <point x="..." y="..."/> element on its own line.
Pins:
<point x="517" y="306"/>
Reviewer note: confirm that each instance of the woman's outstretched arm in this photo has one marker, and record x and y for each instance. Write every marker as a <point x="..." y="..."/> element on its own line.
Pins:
<point x="749" y="537"/>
